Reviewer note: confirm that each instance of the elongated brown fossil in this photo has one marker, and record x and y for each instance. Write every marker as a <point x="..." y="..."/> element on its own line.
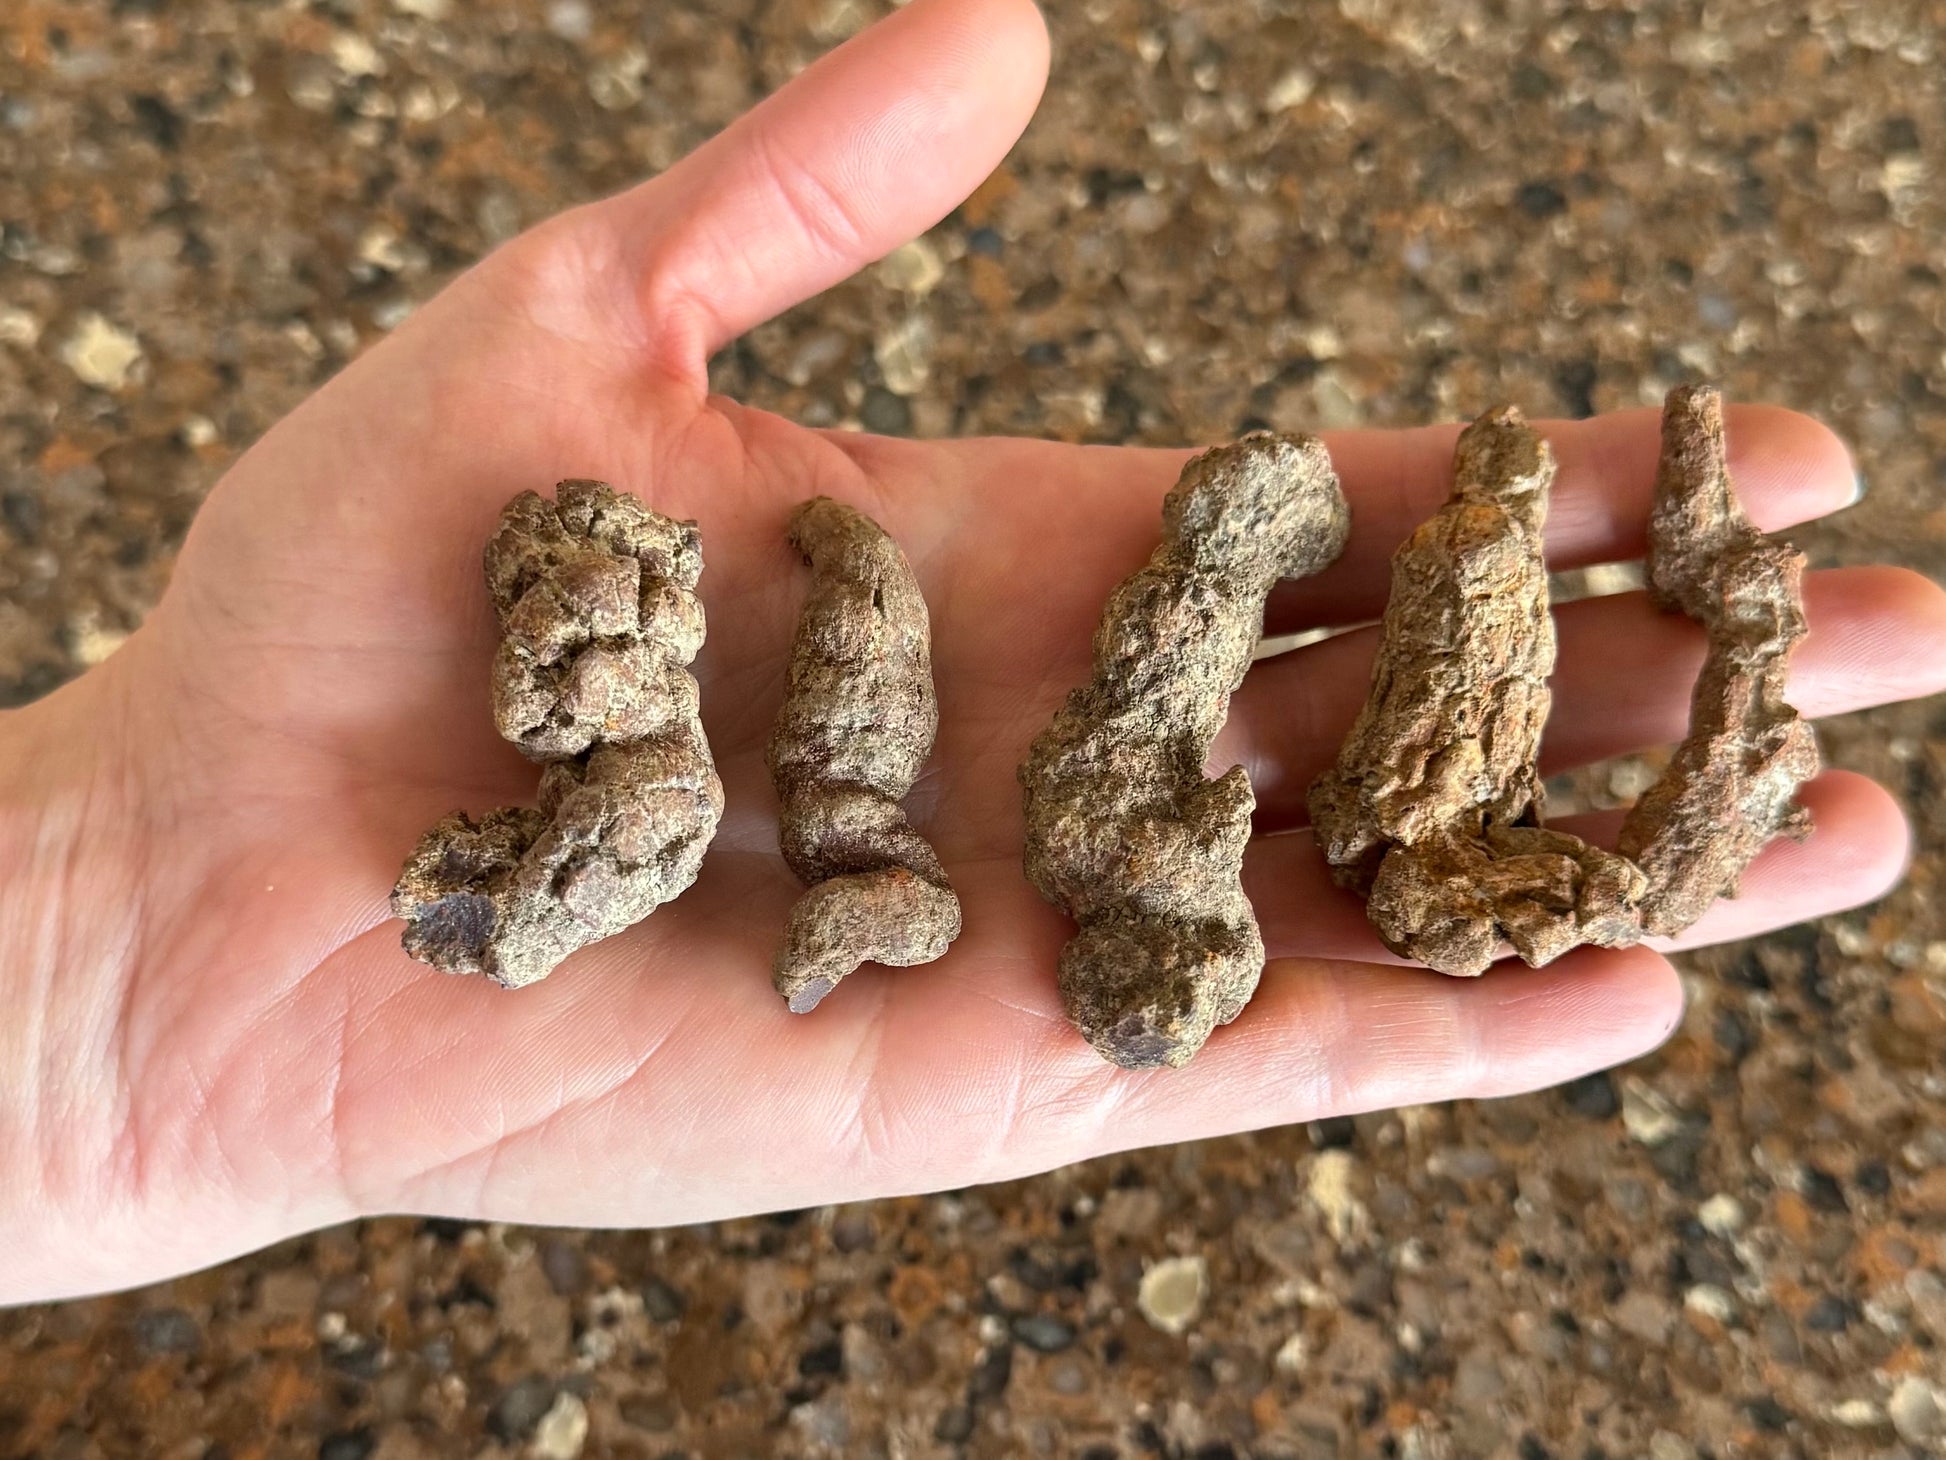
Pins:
<point x="599" y="619"/>
<point x="1124" y="831"/>
<point x="858" y="720"/>
<point x="1732" y="784"/>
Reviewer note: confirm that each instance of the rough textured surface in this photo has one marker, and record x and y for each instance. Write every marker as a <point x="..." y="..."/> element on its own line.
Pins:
<point x="1124" y="831"/>
<point x="857" y="722"/>
<point x="1434" y="806"/>
<point x="1732" y="784"/>
<point x="1228" y="214"/>
<point x="599" y="620"/>
<point x="1448" y="737"/>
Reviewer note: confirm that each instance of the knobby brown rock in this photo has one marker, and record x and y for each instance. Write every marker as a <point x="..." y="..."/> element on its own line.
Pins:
<point x="857" y="722"/>
<point x="1124" y="831"/>
<point x="599" y="620"/>
<point x="1732" y="784"/>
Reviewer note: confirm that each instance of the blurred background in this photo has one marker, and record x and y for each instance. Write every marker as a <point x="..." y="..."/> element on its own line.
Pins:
<point x="1228" y="213"/>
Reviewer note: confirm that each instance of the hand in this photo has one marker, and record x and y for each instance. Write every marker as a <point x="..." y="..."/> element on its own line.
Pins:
<point x="213" y="1038"/>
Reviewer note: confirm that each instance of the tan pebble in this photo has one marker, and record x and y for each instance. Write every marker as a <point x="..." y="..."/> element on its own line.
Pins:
<point x="101" y="354"/>
<point x="1172" y="1292"/>
<point x="356" y="56"/>
<point x="381" y="247"/>
<point x="1293" y="88"/>
<point x="1721" y="1215"/>
<point x="18" y="327"/>
<point x="93" y="642"/>
<point x="1292" y="1355"/>
<point x="1857" y="1414"/>
<point x="904" y="355"/>
<point x="1644" y="1316"/>
<point x="1646" y="1114"/>
<point x="563" y="1430"/>
<point x="1710" y="1301"/>
<point x="1329" y="1188"/>
<point x="1917" y="1410"/>
<point x="915" y="269"/>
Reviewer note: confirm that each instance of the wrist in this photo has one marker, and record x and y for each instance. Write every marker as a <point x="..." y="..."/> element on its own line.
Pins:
<point x="148" y="1123"/>
<point x="69" y="902"/>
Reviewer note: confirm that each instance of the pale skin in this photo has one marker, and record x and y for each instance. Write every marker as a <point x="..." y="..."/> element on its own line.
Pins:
<point x="213" y="1040"/>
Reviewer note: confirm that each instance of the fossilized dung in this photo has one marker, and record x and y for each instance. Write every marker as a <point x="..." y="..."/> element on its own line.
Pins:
<point x="1732" y="784"/>
<point x="1124" y="831"/>
<point x="599" y="619"/>
<point x="1433" y="809"/>
<point x="857" y="722"/>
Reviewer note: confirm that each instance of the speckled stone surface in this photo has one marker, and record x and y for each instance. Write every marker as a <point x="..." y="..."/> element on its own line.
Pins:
<point x="1235" y="212"/>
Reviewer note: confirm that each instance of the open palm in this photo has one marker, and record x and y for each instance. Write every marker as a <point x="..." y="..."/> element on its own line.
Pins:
<point x="232" y="1046"/>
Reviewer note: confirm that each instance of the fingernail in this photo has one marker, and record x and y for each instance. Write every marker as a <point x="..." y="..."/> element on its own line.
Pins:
<point x="1857" y="489"/>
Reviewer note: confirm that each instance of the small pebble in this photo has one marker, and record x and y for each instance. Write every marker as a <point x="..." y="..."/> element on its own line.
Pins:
<point x="914" y="269"/>
<point x="826" y="1422"/>
<point x="1172" y="1292"/>
<point x="1463" y="1163"/>
<point x="1768" y="1414"/>
<point x="1330" y="1188"/>
<point x="853" y="1232"/>
<point x="101" y="354"/>
<point x="166" y="1331"/>
<point x="571" y="20"/>
<point x="1916" y="1410"/>
<point x="355" y="1444"/>
<point x="521" y="1407"/>
<point x="1043" y="1333"/>
<point x="955" y="1425"/>
<point x="563" y="1265"/>
<point x="661" y="1302"/>
<point x="1292" y="1355"/>
<point x="196" y="432"/>
<point x="381" y="248"/>
<point x="885" y="414"/>
<point x="1830" y="1314"/>
<point x="18" y="327"/>
<point x="1592" y="1096"/>
<point x="617" y="84"/>
<point x="1646" y="1115"/>
<point x="562" y="1430"/>
<point x="904" y="355"/>
<point x="1645" y="1316"/>
<point x="1710" y="1301"/>
<point x="355" y="56"/>
<point x="1068" y="1377"/>
<point x="1293" y="88"/>
<point x="1721" y="1215"/>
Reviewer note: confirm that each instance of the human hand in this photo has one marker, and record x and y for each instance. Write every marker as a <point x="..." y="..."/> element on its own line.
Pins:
<point x="214" y="1040"/>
